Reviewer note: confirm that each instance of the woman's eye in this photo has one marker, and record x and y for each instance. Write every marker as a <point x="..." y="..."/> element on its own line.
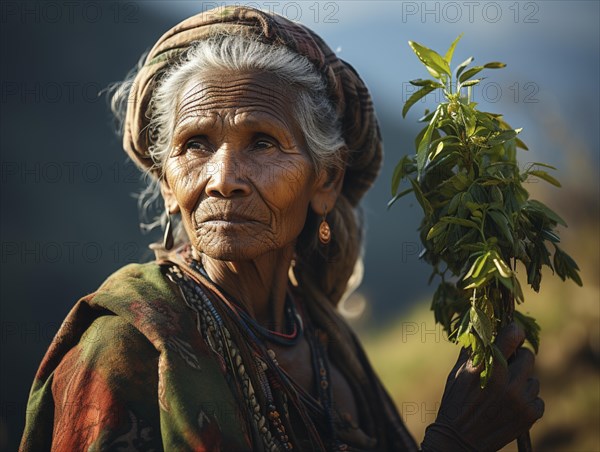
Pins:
<point x="263" y="144"/>
<point x="197" y="144"/>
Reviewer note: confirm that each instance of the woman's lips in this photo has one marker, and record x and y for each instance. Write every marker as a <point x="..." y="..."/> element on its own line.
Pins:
<point x="227" y="219"/>
<point x="229" y="213"/>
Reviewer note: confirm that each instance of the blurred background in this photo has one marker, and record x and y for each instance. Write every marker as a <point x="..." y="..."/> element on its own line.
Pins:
<point x="69" y="217"/>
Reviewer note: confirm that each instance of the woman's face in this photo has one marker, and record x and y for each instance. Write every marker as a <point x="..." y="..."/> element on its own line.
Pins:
<point x="239" y="171"/>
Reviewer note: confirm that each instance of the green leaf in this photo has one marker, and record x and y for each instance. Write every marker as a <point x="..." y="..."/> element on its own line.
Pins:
<point x="453" y="206"/>
<point x="494" y="65"/>
<point x="514" y="286"/>
<point x="545" y="176"/>
<point x="398" y="196"/>
<point x="461" y="67"/>
<point x="487" y="307"/>
<point x="421" y="134"/>
<point x="460" y="221"/>
<point x="503" y="269"/>
<point x="459" y="181"/>
<point x="498" y="356"/>
<point x="478" y="282"/>
<point x="438" y="149"/>
<point x="464" y="325"/>
<point x="427" y="116"/>
<point x="470" y="120"/>
<point x="486" y="373"/>
<point x="573" y="275"/>
<point x="502" y="223"/>
<point x="481" y="324"/>
<point x="431" y="59"/>
<point x="421" y="198"/>
<point x="487" y="121"/>
<point x="545" y="165"/>
<point x="470" y="83"/>
<point x="509" y="150"/>
<point x="415" y="97"/>
<point x="507" y="282"/>
<point x="470" y="73"/>
<point x="400" y="172"/>
<point x="541" y="207"/>
<point x="480" y="264"/>
<point x="426" y="82"/>
<point x="531" y="327"/>
<point x="477" y="358"/>
<point x="503" y="137"/>
<point x="450" y="51"/>
<point x="436" y="230"/>
<point x="551" y="236"/>
<point x="467" y="340"/>
<point x="521" y="145"/>
<point x="565" y="266"/>
<point x="423" y="148"/>
<point x="477" y="266"/>
<point x="497" y="194"/>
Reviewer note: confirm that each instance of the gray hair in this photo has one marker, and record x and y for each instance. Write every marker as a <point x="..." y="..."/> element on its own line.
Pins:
<point x="312" y="109"/>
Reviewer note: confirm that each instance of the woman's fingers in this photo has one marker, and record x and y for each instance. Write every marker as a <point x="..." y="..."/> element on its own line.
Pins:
<point x="532" y="388"/>
<point x="510" y="338"/>
<point x="521" y="366"/>
<point x="536" y="409"/>
<point x="532" y="412"/>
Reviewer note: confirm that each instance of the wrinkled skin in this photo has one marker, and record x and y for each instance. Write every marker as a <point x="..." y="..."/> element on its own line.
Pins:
<point x="243" y="181"/>
<point x="241" y="178"/>
<point x="490" y="418"/>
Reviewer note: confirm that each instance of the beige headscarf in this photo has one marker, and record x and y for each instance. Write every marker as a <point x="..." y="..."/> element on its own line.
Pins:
<point x="347" y="91"/>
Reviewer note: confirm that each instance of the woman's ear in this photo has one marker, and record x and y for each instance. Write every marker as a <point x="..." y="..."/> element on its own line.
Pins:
<point x="171" y="205"/>
<point x="329" y="186"/>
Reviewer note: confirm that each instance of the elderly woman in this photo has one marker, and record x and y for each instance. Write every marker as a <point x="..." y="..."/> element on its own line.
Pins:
<point x="262" y="143"/>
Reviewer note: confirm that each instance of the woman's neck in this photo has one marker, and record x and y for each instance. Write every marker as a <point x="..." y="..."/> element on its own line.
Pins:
<point x="259" y="285"/>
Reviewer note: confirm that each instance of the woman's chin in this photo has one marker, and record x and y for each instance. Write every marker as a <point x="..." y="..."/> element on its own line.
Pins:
<point x="232" y="250"/>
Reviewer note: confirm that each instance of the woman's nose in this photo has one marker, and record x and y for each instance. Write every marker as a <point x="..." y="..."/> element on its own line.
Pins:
<point x="226" y="177"/>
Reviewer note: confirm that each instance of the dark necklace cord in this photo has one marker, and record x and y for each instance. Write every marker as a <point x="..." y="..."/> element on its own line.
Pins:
<point x="294" y="327"/>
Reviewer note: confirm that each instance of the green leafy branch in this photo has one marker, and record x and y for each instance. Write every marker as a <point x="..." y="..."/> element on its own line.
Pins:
<point x="479" y="221"/>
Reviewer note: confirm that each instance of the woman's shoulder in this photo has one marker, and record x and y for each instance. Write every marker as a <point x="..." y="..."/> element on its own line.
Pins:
<point x="135" y="307"/>
<point x="145" y="279"/>
<point x="142" y="296"/>
<point x="136" y="289"/>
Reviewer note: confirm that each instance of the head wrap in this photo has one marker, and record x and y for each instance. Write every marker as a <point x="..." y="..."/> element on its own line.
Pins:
<point x="347" y="91"/>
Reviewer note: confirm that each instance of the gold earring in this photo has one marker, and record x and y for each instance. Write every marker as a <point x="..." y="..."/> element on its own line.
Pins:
<point x="168" y="237"/>
<point x="291" y="273"/>
<point x="324" y="230"/>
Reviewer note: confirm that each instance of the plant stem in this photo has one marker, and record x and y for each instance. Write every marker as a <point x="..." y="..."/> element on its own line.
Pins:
<point x="524" y="443"/>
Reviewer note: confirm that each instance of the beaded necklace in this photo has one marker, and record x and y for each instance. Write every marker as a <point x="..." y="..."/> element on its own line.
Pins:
<point x="270" y="375"/>
<point x="292" y="320"/>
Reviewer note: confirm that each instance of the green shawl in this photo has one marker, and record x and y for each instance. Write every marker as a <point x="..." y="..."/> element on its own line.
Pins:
<point x="128" y="370"/>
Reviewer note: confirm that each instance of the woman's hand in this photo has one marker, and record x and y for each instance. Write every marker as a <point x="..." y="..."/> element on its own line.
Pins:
<point x="472" y="418"/>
